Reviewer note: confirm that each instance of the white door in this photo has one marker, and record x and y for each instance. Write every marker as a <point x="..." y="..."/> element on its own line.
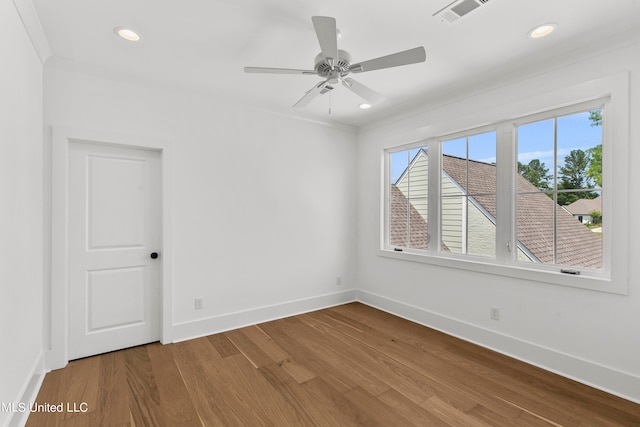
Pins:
<point x="114" y="248"/>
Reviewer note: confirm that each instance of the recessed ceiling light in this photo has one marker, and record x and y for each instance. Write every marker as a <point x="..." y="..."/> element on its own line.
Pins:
<point x="542" y="30"/>
<point x="364" y="106"/>
<point x="127" y="34"/>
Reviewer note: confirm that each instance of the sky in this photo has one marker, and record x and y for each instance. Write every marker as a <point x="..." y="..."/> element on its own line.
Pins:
<point x="535" y="141"/>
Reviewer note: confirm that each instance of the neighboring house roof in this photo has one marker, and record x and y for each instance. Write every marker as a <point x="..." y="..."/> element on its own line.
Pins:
<point x="401" y="210"/>
<point x="585" y="206"/>
<point x="576" y="244"/>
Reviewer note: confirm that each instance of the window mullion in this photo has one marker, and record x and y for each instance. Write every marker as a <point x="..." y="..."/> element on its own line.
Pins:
<point x="386" y="205"/>
<point x="433" y="194"/>
<point x="408" y="196"/>
<point x="506" y="243"/>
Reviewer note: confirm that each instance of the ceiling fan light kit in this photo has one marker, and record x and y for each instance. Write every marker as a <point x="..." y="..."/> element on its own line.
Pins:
<point x="334" y="65"/>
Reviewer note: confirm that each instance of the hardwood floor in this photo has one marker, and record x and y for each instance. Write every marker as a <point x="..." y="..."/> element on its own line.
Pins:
<point x="347" y="365"/>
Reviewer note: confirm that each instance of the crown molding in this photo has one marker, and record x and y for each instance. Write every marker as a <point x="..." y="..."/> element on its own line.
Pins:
<point x="32" y="25"/>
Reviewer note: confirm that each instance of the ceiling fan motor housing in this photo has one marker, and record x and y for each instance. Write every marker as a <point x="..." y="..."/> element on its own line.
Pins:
<point x="323" y="68"/>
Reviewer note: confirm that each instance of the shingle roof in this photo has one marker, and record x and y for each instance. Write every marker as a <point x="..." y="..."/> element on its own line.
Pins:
<point x="576" y="244"/>
<point x="585" y="206"/>
<point x="482" y="179"/>
<point x="401" y="210"/>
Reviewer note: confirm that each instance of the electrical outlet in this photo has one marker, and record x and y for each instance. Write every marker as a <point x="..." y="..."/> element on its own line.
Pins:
<point x="338" y="281"/>
<point x="495" y="313"/>
<point x="199" y="303"/>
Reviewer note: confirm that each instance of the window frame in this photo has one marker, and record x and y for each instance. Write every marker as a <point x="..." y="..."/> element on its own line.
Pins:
<point x="613" y="277"/>
<point x="598" y="104"/>
<point x="439" y="142"/>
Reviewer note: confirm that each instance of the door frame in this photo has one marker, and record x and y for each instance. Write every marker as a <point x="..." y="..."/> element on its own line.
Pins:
<point x="57" y="355"/>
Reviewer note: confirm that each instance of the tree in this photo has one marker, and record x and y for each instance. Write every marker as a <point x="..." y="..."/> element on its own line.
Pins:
<point x="596" y="217"/>
<point x="573" y="175"/>
<point x="536" y="173"/>
<point x="594" y="172"/>
<point x="595" y="166"/>
<point x="596" y="118"/>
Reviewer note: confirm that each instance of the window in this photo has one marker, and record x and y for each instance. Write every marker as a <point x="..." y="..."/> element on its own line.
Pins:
<point x="408" y="193"/>
<point x="523" y="194"/>
<point x="468" y="195"/>
<point x="559" y="184"/>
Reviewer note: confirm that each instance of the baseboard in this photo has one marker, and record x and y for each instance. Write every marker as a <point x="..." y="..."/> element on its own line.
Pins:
<point x="212" y="325"/>
<point x="28" y="394"/>
<point x="622" y="384"/>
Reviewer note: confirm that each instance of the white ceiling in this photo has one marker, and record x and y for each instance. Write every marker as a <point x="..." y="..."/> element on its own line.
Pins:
<point x="203" y="45"/>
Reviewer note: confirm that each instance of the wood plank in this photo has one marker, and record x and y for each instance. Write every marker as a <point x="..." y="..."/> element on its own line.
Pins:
<point x="174" y="397"/>
<point x="293" y="393"/>
<point x="207" y="395"/>
<point x="344" y="360"/>
<point x="591" y="402"/>
<point x="377" y="411"/>
<point x="261" y="339"/>
<point x="82" y="392"/>
<point x="305" y="357"/>
<point x="113" y="398"/>
<point x="409" y="382"/>
<point x="50" y="390"/>
<point x="413" y="412"/>
<point x="408" y="363"/>
<point x="460" y="383"/>
<point x="321" y="403"/>
<point x="222" y="345"/>
<point x="451" y="415"/>
<point x="349" y="365"/>
<point x="500" y="371"/>
<point x="144" y="399"/>
<point x="248" y="348"/>
<point x="260" y="396"/>
<point x="335" y="409"/>
<point x="278" y="355"/>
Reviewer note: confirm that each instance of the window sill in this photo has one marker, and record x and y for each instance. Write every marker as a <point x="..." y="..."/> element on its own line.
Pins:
<point x="590" y="282"/>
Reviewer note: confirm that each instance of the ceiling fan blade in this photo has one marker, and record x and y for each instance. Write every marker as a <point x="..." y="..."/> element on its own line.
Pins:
<point x="327" y="37"/>
<point x="266" y="70"/>
<point x="406" y="57"/>
<point x="311" y="94"/>
<point x="364" y="92"/>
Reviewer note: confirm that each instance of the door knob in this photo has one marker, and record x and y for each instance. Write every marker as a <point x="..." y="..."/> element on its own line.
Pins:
<point x="154" y="255"/>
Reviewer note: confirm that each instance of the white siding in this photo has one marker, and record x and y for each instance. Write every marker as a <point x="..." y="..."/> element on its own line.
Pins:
<point x="414" y="183"/>
<point x="453" y="218"/>
<point x="481" y="238"/>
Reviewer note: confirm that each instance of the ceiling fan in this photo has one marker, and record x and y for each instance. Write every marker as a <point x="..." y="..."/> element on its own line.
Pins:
<point x="334" y="65"/>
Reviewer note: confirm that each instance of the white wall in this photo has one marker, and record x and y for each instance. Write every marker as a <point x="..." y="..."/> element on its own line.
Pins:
<point x="263" y="205"/>
<point x="21" y="215"/>
<point x="588" y="335"/>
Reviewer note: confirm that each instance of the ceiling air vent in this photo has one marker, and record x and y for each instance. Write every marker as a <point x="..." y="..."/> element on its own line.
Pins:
<point x="459" y="8"/>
